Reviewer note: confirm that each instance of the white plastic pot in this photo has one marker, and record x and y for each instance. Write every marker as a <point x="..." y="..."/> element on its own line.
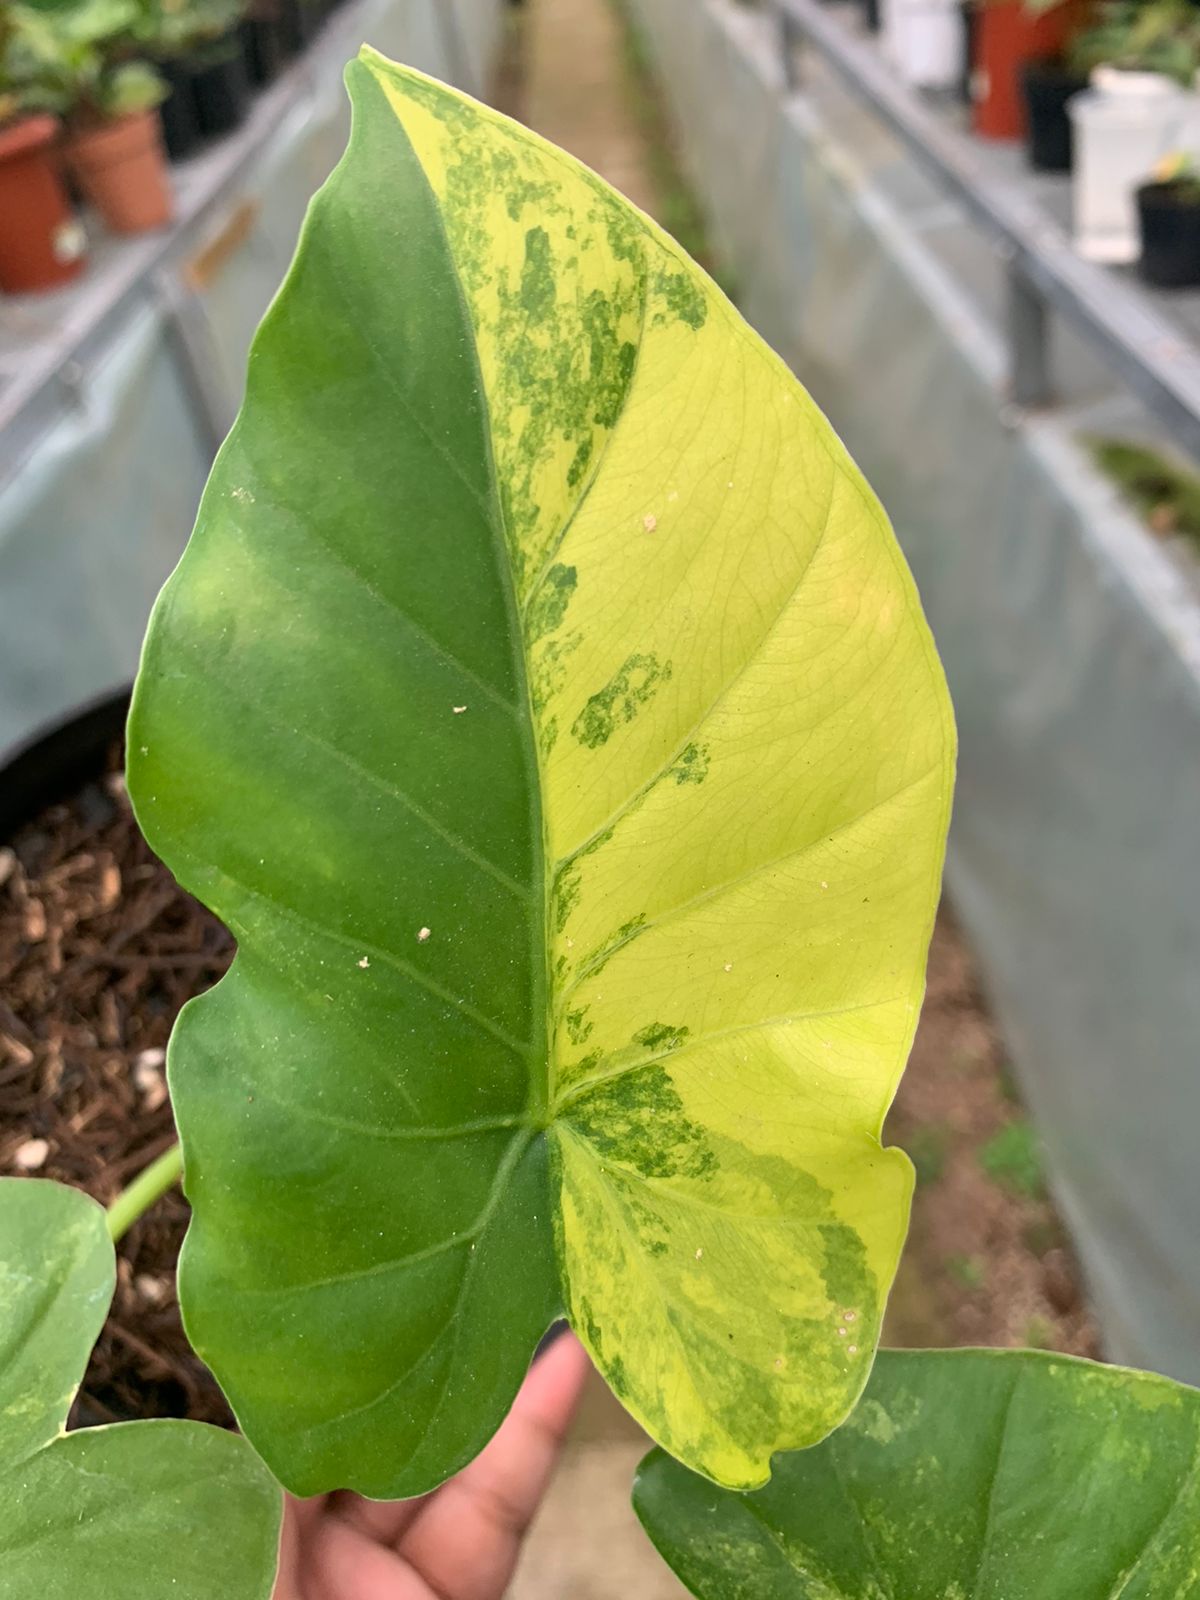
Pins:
<point x="926" y="39"/>
<point x="1122" y="125"/>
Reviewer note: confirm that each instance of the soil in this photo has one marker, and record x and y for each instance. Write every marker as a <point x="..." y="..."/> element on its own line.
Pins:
<point x="987" y="1260"/>
<point x="99" y="949"/>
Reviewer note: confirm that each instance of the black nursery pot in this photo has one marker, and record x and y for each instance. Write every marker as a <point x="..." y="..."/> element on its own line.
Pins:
<point x="1170" y="218"/>
<point x="221" y="88"/>
<point x="262" y="49"/>
<point x="1046" y="86"/>
<point x="180" y="119"/>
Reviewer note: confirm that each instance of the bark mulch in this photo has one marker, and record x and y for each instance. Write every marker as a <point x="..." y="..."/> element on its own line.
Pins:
<point x="99" y="949"/>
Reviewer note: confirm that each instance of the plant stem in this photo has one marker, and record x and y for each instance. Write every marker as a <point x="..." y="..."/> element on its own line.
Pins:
<point x="145" y="1189"/>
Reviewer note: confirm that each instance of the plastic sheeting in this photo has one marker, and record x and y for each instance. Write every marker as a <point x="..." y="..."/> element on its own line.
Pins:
<point x="101" y="472"/>
<point x="1071" y="642"/>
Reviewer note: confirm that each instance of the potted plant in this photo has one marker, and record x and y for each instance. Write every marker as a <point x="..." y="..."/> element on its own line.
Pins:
<point x="115" y="149"/>
<point x="200" y="52"/>
<point x="1140" y="60"/>
<point x="220" y="81"/>
<point x="85" y="56"/>
<point x="1169" y="213"/>
<point x="42" y="243"/>
<point x="1007" y="34"/>
<point x="1047" y="85"/>
<point x="925" y="39"/>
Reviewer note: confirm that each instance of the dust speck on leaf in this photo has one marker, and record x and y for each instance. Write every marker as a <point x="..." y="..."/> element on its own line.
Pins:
<point x="423" y="935"/>
<point x="364" y="962"/>
<point x="458" y="710"/>
<point x="650" y="522"/>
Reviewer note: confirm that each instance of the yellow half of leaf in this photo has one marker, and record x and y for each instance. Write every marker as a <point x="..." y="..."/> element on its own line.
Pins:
<point x="745" y="761"/>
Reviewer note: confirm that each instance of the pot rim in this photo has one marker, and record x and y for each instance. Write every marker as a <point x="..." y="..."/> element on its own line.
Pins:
<point x="28" y="133"/>
<point x="1164" y="189"/>
<point x="1132" y="82"/>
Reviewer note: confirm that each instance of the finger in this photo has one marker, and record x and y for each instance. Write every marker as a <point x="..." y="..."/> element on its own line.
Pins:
<point x="465" y="1540"/>
<point x="343" y="1564"/>
<point x="299" y="1517"/>
<point x="383" y="1520"/>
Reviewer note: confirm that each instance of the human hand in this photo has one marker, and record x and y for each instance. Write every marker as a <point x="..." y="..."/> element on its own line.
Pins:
<point x="459" y="1543"/>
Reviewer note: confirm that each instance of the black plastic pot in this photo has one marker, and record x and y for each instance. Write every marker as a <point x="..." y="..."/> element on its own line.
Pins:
<point x="262" y="49"/>
<point x="289" y="18"/>
<point x="221" y="87"/>
<point x="55" y="761"/>
<point x="1046" y="86"/>
<point x="1170" y="218"/>
<point x="180" y="119"/>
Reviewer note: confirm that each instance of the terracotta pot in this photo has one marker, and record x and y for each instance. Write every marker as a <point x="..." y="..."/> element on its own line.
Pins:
<point x="1007" y="36"/>
<point x="41" y="242"/>
<point x="122" y="170"/>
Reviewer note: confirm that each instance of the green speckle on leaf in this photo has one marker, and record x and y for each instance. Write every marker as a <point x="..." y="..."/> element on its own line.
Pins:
<point x="659" y="1036"/>
<point x="537" y="275"/>
<point x="620" y="699"/>
<point x="681" y="298"/>
<point x="692" y="766"/>
<point x="549" y="604"/>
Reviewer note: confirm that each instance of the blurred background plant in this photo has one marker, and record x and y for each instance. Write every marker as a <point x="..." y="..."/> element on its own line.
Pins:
<point x="76" y="61"/>
<point x="1141" y="36"/>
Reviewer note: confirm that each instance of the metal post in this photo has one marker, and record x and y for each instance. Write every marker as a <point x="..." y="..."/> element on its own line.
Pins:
<point x="789" y="36"/>
<point x="1029" y="380"/>
<point x="213" y="405"/>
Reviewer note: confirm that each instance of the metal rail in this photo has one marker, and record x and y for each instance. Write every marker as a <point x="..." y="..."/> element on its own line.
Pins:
<point x="1150" y="356"/>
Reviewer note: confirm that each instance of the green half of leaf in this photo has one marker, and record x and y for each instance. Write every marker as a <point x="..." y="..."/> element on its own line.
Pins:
<point x="989" y="1474"/>
<point x="137" y="1511"/>
<point x="545" y="705"/>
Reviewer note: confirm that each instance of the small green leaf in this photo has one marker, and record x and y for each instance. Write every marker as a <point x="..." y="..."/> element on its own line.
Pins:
<point x="545" y="705"/>
<point x="962" y="1475"/>
<point x="137" y="1511"/>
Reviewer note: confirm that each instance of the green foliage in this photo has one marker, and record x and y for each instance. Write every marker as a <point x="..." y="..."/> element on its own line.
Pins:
<point x="1158" y="36"/>
<point x="544" y="703"/>
<point x="1166" y="494"/>
<point x="1013" y="1158"/>
<point x="176" y="27"/>
<point x="132" y="1512"/>
<point x="1001" y="1475"/>
<point x="74" y="60"/>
